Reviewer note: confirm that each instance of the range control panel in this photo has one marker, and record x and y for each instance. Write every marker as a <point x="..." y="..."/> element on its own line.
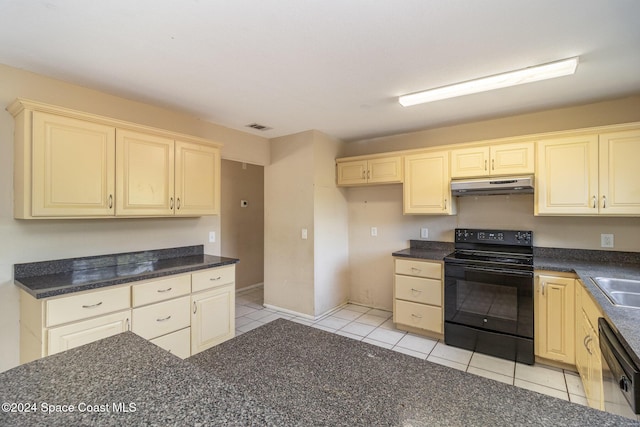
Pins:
<point x="506" y="237"/>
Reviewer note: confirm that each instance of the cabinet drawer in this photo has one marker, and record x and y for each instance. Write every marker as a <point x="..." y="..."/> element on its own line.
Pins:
<point x="86" y="305"/>
<point x="160" y="290"/>
<point x="418" y="315"/>
<point x="178" y="343"/>
<point x="161" y="318"/>
<point x="418" y="289"/>
<point x="419" y="268"/>
<point x="213" y="278"/>
<point x="80" y="333"/>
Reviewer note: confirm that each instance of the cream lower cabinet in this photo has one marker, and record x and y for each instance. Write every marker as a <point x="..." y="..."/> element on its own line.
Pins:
<point x="161" y="313"/>
<point x="555" y="318"/>
<point x="212" y="308"/>
<point x="588" y="357"/>
<point x="52" y="325"/>
<point x="79" y="333"/>
<point x="183" y="314"/>
<point x="427" y="188"/>
<point x="417" y="296"/>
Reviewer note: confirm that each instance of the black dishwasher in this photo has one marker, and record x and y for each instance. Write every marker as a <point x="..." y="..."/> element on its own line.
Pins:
<point x="621" y="376"/>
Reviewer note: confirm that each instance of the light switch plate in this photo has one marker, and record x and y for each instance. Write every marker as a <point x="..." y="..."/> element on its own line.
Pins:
<point x="424" y="233"/>
<point x="374" y="231"/>
<point x="212" y="237"/>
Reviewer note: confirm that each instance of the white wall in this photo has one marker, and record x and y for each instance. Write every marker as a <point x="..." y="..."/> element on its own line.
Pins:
<point x="23" y="241"/>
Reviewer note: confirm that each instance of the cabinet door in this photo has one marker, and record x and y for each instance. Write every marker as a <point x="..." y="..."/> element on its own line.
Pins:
<point x="555" y="321"/>
<point x="73" y="167"/>
<point x="510" y="159"/>
<point x="470" y="162"/>
<point x="80" y="333"/>
<point x="620" y="173"/>
<point x="178" y="343"/>
<point x="212" y="318"/>
<point x="385" y="170"/>
<point x="426" y="184"/>
<point x="352" y="173"/>
<point x="144" y="165"/>
<point x="567" y="176"/>
<point x="197" y="179"/>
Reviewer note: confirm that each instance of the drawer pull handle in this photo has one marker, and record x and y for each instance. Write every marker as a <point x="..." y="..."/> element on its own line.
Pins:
<point x="164" y="290"/>
<point x="415" y="269"/>
<point x="416" y="291"/>
<point x="92" y="305"/>
<point x="213" y="279"/>
<point x="164" y="320"/>
<point x="416" y="316"/>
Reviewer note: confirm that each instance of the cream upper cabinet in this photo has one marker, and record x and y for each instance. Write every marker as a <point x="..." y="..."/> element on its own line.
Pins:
<point x="145" y="174"/>
<point x="73" y="168"/>
<point x="383" y="170"/>
<point x="197" y="179"/>
<point x="427" y="187"/>
<point x="589" y="175"/>
<point x="555" y="318"/>
<point x="619" y="185"/>
<point x="70" y="164"/>
<point x="503" y="159"/>
<point x="567" y="176"/>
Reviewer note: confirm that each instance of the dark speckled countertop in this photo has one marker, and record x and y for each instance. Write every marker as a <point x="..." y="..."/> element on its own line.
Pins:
<point x="280" y="374"/>
<point x="585" y="264"/>
<point x="50" y="278"/>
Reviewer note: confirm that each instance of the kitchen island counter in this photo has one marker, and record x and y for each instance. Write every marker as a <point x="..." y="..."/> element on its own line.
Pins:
<point x="282" y="374"/>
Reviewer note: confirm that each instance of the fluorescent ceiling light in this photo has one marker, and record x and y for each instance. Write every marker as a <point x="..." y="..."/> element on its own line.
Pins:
<point x="511" y="78"/>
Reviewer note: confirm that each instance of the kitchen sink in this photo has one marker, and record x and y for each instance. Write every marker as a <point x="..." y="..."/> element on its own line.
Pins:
<point x="623" y="292"/>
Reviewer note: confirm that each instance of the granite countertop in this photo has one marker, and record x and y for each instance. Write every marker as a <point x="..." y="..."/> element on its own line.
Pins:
<point x="281" y="374"/>
<point x="423" y="249"/>
<point x="585" y="264"/>
<point x="50" y="278"/>
<point x="124" y="372"/>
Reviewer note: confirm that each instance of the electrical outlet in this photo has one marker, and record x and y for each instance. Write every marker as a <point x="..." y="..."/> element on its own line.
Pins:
<point x="606" y="240"/>
<point x="424" y="233"/>
<point x="303" y="234"/>
<point x="374" y="231"/>
<point x="212" y="237"/>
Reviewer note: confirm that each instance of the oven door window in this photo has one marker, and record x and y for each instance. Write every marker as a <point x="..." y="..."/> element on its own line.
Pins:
<point x="493" y="300"/>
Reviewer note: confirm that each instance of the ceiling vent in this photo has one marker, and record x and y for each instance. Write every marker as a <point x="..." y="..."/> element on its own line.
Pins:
<point x="258" y="126"/>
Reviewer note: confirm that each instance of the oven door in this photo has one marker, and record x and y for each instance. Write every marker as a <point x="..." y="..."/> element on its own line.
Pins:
<point x="488" y="298"/>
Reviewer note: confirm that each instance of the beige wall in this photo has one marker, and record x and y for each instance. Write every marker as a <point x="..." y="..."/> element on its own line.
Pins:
<point x="37" y="240"/>
<point x="305" y="276"/>
<point x="623" y="110"/>
<point x="289" y="198"/>
<point x="371" y="266"/>
<point x="242" y="228"/>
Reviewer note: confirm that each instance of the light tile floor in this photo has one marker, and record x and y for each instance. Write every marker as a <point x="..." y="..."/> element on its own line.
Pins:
<point x="376" y="327"/>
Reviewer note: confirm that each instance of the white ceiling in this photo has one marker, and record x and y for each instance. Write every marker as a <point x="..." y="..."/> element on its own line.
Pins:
<point x="332" y="65"/>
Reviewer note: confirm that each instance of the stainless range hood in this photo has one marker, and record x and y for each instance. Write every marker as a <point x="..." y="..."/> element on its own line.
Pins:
<point x="491" y="186"/>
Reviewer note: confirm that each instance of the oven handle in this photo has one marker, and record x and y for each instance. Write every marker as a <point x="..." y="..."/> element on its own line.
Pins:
<point x="500" y="271"/>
